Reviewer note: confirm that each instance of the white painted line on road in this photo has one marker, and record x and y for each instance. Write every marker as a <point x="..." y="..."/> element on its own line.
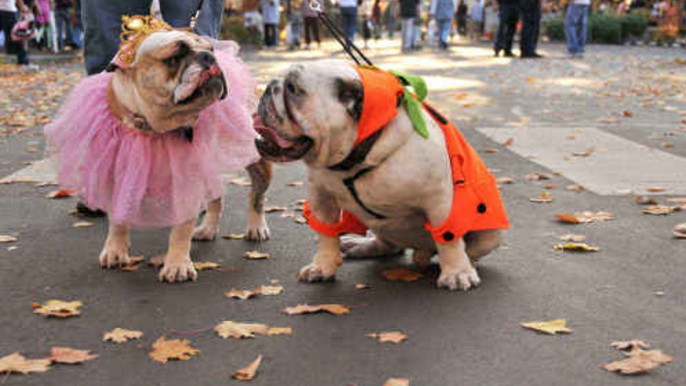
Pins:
<point x="614" y="164"/>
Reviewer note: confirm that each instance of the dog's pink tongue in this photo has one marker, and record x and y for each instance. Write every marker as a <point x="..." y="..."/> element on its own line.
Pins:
<point x="268" y="133"/>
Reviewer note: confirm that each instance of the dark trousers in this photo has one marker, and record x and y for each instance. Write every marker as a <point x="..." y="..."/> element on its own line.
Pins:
<point x="312" y="30"/>
<point x="531" y="22"/>
<point x="349" y="22"/>
<point x="7" y="21"/>
<point x="102" y="22"/>
<point x="509" y="16"/>
<point x="269" y="35"/>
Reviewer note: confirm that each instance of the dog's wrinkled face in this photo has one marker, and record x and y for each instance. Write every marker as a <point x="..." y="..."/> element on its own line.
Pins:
<point x="311" y="113"/>
<point x="173" y="77"/>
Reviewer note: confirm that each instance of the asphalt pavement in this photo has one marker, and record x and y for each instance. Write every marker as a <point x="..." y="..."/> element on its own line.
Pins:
<point x="633" y="288"/>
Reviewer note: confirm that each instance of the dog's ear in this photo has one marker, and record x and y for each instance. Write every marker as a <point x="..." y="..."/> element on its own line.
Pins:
<point x="351" y="94"/>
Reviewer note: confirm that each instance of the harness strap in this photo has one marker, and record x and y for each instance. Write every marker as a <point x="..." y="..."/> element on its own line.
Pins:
<point x="357" y="155"/>
<point x="350" y="184"/>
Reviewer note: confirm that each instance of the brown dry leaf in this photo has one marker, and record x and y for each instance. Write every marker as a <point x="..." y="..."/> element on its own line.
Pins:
<point x="461" y="96"/>
<point x="509" y="142"/>
<point x="401" y="274"/>
<point x="544" y="198"/>
<point x="630" y="345"/>
<point x="640" y="200"/>
<point x="677" y="200"/>
<point x="17" y="363"/>
<point x="573" y="238"/>
<point x="82" y="224"/>
<point x="567" y="218"/>
<point x="658" y="210"/>
<point x="120" y="335"/>
<point x="256" y="255"/>
<point x="639" y="361"/>
<point x="229" y="329"/>
<point x="537" y="177"/>
<point x="360" y="286"/>
<point x="270" y="290"/>
<point x="273" y="331"/>
<point x="241" y="294"/>
<point x="680" y="231"/>
<point x="574" y="188"/>
<point x="274" y="209"/>
<point x="7" y="239"/>
<point x="241" y="181"/>
<point x="584" y="217"/>
<point x="164" y="350"/>
<point x="655" y="189"/>
<point x="584" y="153"/>
<point x="388" y="337"/>
<point x="666" y="145"/>
<point x="576" y="247"/>
<point x="61" y="193"/>
<point x="234" y="236"/>
<point x="504" y="181"/>
<point x="530" y="79"/>
<point x="490" y="150"/>
<point x="397" y="382"/>
<point x="248" y="373"/>
<point x="299" y="219"/>
<point x="58" y="308"/>
<point x="130" y="268"/>
<point x="206" y="265"/>
<point x="551" y="327"/>
<point x="335" y="309"/>
<point x="70" y="356"/>
<point x="295" y="183"/>
<point x="627" y="113"/>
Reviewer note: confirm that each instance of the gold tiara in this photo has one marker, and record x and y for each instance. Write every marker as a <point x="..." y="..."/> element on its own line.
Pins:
<point x="133" y="30"/>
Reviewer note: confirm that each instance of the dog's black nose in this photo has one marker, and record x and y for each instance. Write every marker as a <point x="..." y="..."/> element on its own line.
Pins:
<point x="206" y="59"/>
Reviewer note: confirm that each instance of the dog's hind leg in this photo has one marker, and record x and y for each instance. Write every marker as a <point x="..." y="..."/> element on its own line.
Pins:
<point x="359" y="247"/>
<point x="207" y="230"/>
<point x="481" y="243"/>
<point x="261" y="176"/>
<point x="115" y="252"/>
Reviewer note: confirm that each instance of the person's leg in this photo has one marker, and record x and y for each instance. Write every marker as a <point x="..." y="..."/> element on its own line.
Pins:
<point x="209" y="22"/>
<point x="69" y="38"/>
<point x="60" y="20"/>
<point x="178" y="13"/>
<point x="583" y="29"/>
<point x="536" y="25"/>
<point x="527" y="29"/>
<point x="267" y="34"/>
<point x="444" y="31"/>
<point x="308" y="31"/>
<point x="571" y="29"/>
<point x="315" y="28"/>
<point x="500" y="34"/>
<point x="102" y="22"/>
<point x="511" y="19"/>
<point x="6" y="22"/>
<point x="406" y="34"/>
<point x="349" y="20"/>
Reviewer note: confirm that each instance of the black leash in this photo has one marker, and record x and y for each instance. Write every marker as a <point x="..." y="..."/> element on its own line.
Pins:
<point x="350" y="48"/>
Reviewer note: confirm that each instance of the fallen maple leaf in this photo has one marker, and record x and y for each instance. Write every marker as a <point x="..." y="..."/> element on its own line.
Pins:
<point x="270" y="290"/>
<point x="537" y="177"/>
<point x="241" y="294"/>
<point x="584" y="153"/>
<point x="82" y="224"/>
<point x="229" y="329"/>
<point x="551" y="327"/>
<point x="61" y="193"/>
<point x="273" y="331"/>
<point x="639" y="361"/>
<point x="17" y="363"/>
<point x="206" y="265"/>
<point x="677" y="200"/>
<point x="335" y="309"/>
<point x="164" y="350"/>
<point x="401" y="274"/>
<point x="248" y="373"/>
<point x="508" y="142"/>
<point x="577" y="247"/>
<point x="120" y="335"/>
<point x="504" y="181"/>
<point x="490" y="150"/>
<point x="58" y="308"/>
<point x="630" y="345"/>
<point x="574" y="188"/>
<point x="256" y="255"/>
<point x="628" y="113"/>
<point x="70" y="356"/>
<point x="584" y="217"/>
<point x="397" y="382"/>
<point x="544" y="198"/>
<point x="658" y="210"/>
<point x="390" y="336"/>
<point x="7" y="239"/>
<point x="655" y="189"/>
<point x="573" y="238"/>
<point x="234" y="236"/>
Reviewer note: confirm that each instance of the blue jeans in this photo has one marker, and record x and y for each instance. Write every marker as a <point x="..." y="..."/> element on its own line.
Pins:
<point x="63" y="19"/>
<point x="443" y="30"/>
<point x="575" y="28"/>
<point x="407" y="33"/>
<point x="102" y="22"/>
<point x="349" y="20"/>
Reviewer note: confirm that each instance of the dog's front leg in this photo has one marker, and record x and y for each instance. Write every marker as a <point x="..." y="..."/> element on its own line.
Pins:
<point x="260" y="176"/>
<point x="457" y="271"/>
<point x="177" y="262"/>
<point x="115" y="252"/>
<point x="207" y="230"/>
<point x="328" y="257"/>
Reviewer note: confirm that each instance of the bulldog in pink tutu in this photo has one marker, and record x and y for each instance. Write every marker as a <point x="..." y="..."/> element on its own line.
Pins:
<point x="148" y="141"/>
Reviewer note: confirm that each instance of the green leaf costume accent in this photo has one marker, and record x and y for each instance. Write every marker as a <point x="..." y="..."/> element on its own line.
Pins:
<point x="413" y="102"/>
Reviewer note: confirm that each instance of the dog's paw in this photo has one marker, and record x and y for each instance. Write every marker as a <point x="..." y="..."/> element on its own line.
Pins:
<point x="315" y="273"/>
<point x="179" y="270"/>
<point x="257" y="229"/>
<point x="357" y="247"/>
<point x="112" y="256"/>
<point x="455" y="280"/>
<point x="205" y="232"/>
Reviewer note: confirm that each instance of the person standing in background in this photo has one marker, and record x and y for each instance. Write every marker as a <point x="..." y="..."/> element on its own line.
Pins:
<point x="408" y="12"/>
<point x="311" y="22"/>
<point x="392" y="13"/>
<point x="575" y="27"/>
<point x="442" y="11"/>
<point x="349" y="18"/>
<point x="367" y="26"/>
<point x="65" y="33"/>
<point x="461" y="18"/>
<point x="376" y="19"/>
<point x="476" y="22"/>
<point x="531" y="24"/>
<point x="270" y="19"/>
<point x="8" y="18"/>
<point x="508" y="11"/>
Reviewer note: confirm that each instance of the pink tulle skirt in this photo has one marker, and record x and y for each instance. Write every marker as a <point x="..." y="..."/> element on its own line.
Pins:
<point x="159" y="180"/>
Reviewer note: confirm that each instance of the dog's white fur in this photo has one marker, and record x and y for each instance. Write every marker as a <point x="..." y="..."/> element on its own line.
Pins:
<point x="410" y="183"/>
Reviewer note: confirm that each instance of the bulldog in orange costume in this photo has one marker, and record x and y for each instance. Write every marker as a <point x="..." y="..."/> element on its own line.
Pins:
<point x="379" y="159"/>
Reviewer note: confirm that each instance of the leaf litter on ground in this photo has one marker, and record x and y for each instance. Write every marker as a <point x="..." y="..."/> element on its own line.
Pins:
<point x="575" y="247"/>
<point x="57" y="308"/>
<point x="550" y="327"/>
<point x="249" y="372"/>
<point x="177" y="349"/>
<point x="301" y="309"/>
<point x="388" y="336"/>
<point x="637" y="360"/>
<point x="120" y="335"/>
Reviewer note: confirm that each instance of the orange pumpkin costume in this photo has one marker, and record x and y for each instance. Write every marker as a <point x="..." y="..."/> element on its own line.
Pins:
<point x="477" y="204"/>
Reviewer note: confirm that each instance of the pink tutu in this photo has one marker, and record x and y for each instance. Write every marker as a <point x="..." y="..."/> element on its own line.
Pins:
<point x="152" y="181"/>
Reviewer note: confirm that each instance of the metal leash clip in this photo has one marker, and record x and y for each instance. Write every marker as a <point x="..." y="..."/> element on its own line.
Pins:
<point x="315" y="6"/>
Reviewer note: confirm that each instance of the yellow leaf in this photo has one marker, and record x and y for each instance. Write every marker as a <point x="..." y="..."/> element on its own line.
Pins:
<point x="164" y="350"/>
<point x="256" y="255"/>
<point x="241" y="294"/>
<point x="270" y="290"/>
<point x="530" y="79"/>
<point x="228" y="329"/>
<point x="579" y="247"/>
<point x="551" y="327"/>
<point x="504" y="181"/>
<point x="82" y="224"/>
<point x="206" y="265"/>
<point x="335" y="309"/>
<point x="234" y="236"/>
<point x="279" y="331"/>
<point x="655" y="189"/>
<point x="658" y="210"/>
<point x="120" y="335"/>
<point x="248" y="373"/>
<point x="397" y="382"/>
<point x="58" y="308"/>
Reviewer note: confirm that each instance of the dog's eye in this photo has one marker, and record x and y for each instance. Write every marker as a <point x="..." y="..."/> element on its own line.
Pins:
<point x="174" y="60"/>
<point x="290" y="87"/>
